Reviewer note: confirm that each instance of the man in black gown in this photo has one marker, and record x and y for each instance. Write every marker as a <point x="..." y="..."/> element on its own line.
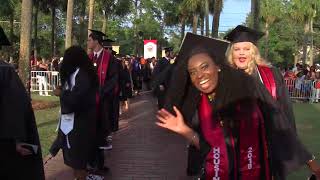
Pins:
<point x="161" y="76"/>
<point x="19" y="141"/>
<point x="114" y="115"/>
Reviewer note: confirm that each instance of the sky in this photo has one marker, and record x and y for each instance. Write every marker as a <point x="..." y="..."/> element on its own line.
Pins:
<point x="234" y="13"/>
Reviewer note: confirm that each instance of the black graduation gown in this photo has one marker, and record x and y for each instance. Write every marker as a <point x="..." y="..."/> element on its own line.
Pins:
<point x="137" y="75"/>
<point x="116" y="99"/>
<point x="80" y="101"/>
<point x="17" y="124"/>
<point x="287" y="151"/>
<point x="107" y="93"/>
<point x="124" y="78"/>
<point x="161" y="76"/>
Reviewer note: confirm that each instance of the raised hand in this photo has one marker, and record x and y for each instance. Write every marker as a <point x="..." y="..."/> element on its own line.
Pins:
<point x="171" y="122"/>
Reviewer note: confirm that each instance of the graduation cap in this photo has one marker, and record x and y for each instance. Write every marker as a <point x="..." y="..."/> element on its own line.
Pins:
<point x="3" y="38"/>
<point x="168" y="49"/>
<point x="243" y="34"/>
<point x="107" y="42"/>
<point x="97" y="35"/>
<point x="191" y="41"/>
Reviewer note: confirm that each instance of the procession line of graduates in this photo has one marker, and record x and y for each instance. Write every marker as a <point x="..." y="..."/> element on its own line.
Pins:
<point x="237" y="113"/>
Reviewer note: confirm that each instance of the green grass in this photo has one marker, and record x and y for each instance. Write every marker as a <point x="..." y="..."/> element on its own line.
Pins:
<point x="307" y="120"/>
<point x="47" y="120"/>
<point x="36" y="96"/>
<point x="308" y="125"/>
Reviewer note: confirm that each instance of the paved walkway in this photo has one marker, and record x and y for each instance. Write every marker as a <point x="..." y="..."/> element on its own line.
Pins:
<point x="141" y="150"/>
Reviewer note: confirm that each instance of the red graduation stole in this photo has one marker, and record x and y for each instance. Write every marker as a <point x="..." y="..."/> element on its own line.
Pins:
<point x="102" y="70"/>
<point x="217" y="163"/>
<point x="249" y="161"/>
<point x="268" y="80"/>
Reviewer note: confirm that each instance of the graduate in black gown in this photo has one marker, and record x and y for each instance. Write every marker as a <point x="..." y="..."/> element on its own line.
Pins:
<point x="108" y="77"/>
<point x="161" y="76"/>
<point x="114" y="115"/>
<point x="125" y="84"/>
<point x="77" y="126"/>
<point x="137" y="75"/>
<point x="244" y="54"/>
<point x="236" y="98"/>
<point x="21" y="156"/>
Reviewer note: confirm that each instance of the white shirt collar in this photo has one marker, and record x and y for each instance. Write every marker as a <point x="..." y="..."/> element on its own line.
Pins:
<point x="98" y="53"/>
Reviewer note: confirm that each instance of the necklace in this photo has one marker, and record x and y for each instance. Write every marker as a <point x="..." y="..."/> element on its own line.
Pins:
<point x="210" y="97"/>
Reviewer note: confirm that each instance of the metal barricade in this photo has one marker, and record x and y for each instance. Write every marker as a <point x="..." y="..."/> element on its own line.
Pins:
<point x="44" y="81"/>
<point x="307" y="90"/>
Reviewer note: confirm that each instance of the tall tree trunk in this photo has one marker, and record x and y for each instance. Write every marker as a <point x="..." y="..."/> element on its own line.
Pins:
<point x="311" y="47"/>
<point x="11" y="34"/>
<point x="25" y="42"/>
<point x="11" y="26"/>
<point x="35" y="29"/>
<point x="91" y="15"/>
<point x="135" y="46"/>
<point x="216" y="18"/>
<point x="207" y="17"/>
<point x="202" y="25"/>
<point x="105" y="22"/>
<point x="69" y="24"/>
<point x="266" y="52"/>
<point x="83" y="31"/>
<point x="195" y="23"/>
<point x="305" y="41"/>
<point x="255" y="11"/>
<point x="183" y="27"/>
<point x="53" y="27"/>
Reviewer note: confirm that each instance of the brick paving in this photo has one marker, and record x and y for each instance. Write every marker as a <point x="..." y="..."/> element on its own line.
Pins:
<point x="141" y="150"/>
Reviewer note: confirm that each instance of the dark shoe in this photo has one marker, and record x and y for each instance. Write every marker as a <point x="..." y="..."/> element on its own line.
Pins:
<point x="106" y="146"/>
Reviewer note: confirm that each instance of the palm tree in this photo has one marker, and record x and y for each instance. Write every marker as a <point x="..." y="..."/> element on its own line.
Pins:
<point x="35" y="28"/>
<point x="52" y="6"/>
<point x="255" y="10"/>
<point x="194" y="7"/>
<point x="271" y="10"/>
<point x="111" y="8"/>
<point x="25" y="41"/>
<point x="69" y="24"/>
<point x="206" y="15"/>
<point x="82" y="23"/>
<point x="217" y="9"/>
<point x="91" y="15"/>
<point x="304" y="13"/>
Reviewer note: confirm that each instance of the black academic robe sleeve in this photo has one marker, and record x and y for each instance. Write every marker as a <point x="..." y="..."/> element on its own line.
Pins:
<point x="13" y="98"/>
<point x="283" y="97"/>
<point x="71" y="101"/>
<point x="112" y="79"/>
<point x="160" y="67"/>
<point x="287" y="153"/>
<point x="17" y="124"/>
